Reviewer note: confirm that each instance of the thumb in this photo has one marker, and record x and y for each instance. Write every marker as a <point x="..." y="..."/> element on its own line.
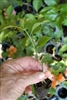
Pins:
<point x="34" y="78"/>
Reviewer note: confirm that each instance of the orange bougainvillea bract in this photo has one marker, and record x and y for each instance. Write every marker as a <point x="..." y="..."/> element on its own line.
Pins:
<point x="11" y="50"/>
<point x="60" y="78"/>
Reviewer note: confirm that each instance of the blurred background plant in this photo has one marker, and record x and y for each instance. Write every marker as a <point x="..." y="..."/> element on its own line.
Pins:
<point x="35" y="28"/>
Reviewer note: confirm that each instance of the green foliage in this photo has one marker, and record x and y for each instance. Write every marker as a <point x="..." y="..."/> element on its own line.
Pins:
<point x="58" y="68"/>
<point x="43" y="40"/>
<point x="37" y="4"/>
<point x="52" y="90"/>
<point x="9" y="10"/>
<point x="33" y="90"/>
<point x="47" y="59"/>
<point x="51" y="2"/>
<point x="63" y="48"/>
<point x="4" y="4"/>
<point x="38" y="23"/>
<point x="65" y="22"/>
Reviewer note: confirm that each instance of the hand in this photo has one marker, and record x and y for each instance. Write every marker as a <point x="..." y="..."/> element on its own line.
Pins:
<point x="17" y="74"/>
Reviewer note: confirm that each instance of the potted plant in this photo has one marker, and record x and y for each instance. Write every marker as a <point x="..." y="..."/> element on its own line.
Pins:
<point x="37" y="28"/>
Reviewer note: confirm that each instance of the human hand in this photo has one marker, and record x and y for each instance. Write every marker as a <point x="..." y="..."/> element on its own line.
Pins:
<point x="17" y="74"/>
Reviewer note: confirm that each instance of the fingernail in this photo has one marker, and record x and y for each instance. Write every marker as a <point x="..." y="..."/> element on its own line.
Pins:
<point x="41" y="75"/>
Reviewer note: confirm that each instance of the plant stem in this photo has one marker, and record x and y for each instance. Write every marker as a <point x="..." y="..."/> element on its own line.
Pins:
<point x="32" y="43"/>
<point x="23" y="29"/>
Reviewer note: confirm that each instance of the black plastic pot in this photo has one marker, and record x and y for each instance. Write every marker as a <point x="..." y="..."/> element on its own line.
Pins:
<point x="5" y="45"/>
<point x="49" y="47"/>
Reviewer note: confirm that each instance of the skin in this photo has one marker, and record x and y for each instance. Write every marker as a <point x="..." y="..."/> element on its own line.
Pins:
<point x="17" y="74"/>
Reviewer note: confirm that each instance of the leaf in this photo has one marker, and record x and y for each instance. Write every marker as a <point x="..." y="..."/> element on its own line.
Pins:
<point x="50" y="2"/>
<point x="16" y="2"/>
<point x="37" y="4"/>
<point x="9" y="10"/>
<point x="63" y="48"/>
<point x="64" y="55"/>
<point x="5" y="54"/>
<point x="4" y="4"/>
<point x="43" y="40"/>
<point x="29" y="17"/>
<point x="38" y="29"/>
<point x="1" y="36"/>
<point x="47" y="59"/>
<point x="56" y="67"/>
<point x="51" y="16"/>
<point x="29" y="24"/>
<point x="29" y="51"/>
<point x="46" y="9"/>
<point x="28" y="1"/>
<point x="52" y="90"/>
<point x="22" y="98"/>
<point x="64" y="22"/>
<point x="38" y="24"/>
<point x="59" y="21"/>
<point x="63" y="9"/>
<point x="65" y="83"/>
<point x="0" y="11"/>
<point x="7" y="25"/>
<point x="59" y="68"/>
<point x="65" y="39"/>
<point x="18" y="99"/>
<point x="58" y="34"/>
<point x="33" y="90"/>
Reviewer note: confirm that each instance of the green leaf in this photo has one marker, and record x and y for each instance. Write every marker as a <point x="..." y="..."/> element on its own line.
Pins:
<point x="65" y="83"/>
<point x="46" y="9"/>
<point x="38" y="24"/>
<point x="65" y="39"/>
<point x="16" y="2"/>
<point x="52" y="90"/>
<point x="4" y="4"/>
<point x="58" y="34"/>
<point x="64" y="22"/>
<point x="9" y="10"/>
<point x="29" y="51"/>
<point x="63" y="48"/>
<point x="50" y="2"/>
<point x="2" y="19"/>
<point x="33" y="90"/>
<point x="37" y="4"/>
<point x="24" y="98"/>
<point x="59" y="68"/>
<point x="18" y="99"/>
<point x="43" y="40"/>
<point x="28" y="1"/>
<point x="5" y="54"/>
<point x="7" y="25"/>
<point x="0" y="11"/>
<point x="55" y="67"/>
<point x="38" y="29"/>
<point x="51" y="16"/>
<point x="29" y="24"/>
<point x="64" y="55"/>
<point x="47" y="59"/>
<point x="63" y="9"/>
<point x="29" y="17"/>
<point x="59" y="21"/>
<point x="1" y="36"/>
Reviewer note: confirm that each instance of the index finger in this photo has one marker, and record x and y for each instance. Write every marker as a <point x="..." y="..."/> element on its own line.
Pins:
<point x="28" y="63"/>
